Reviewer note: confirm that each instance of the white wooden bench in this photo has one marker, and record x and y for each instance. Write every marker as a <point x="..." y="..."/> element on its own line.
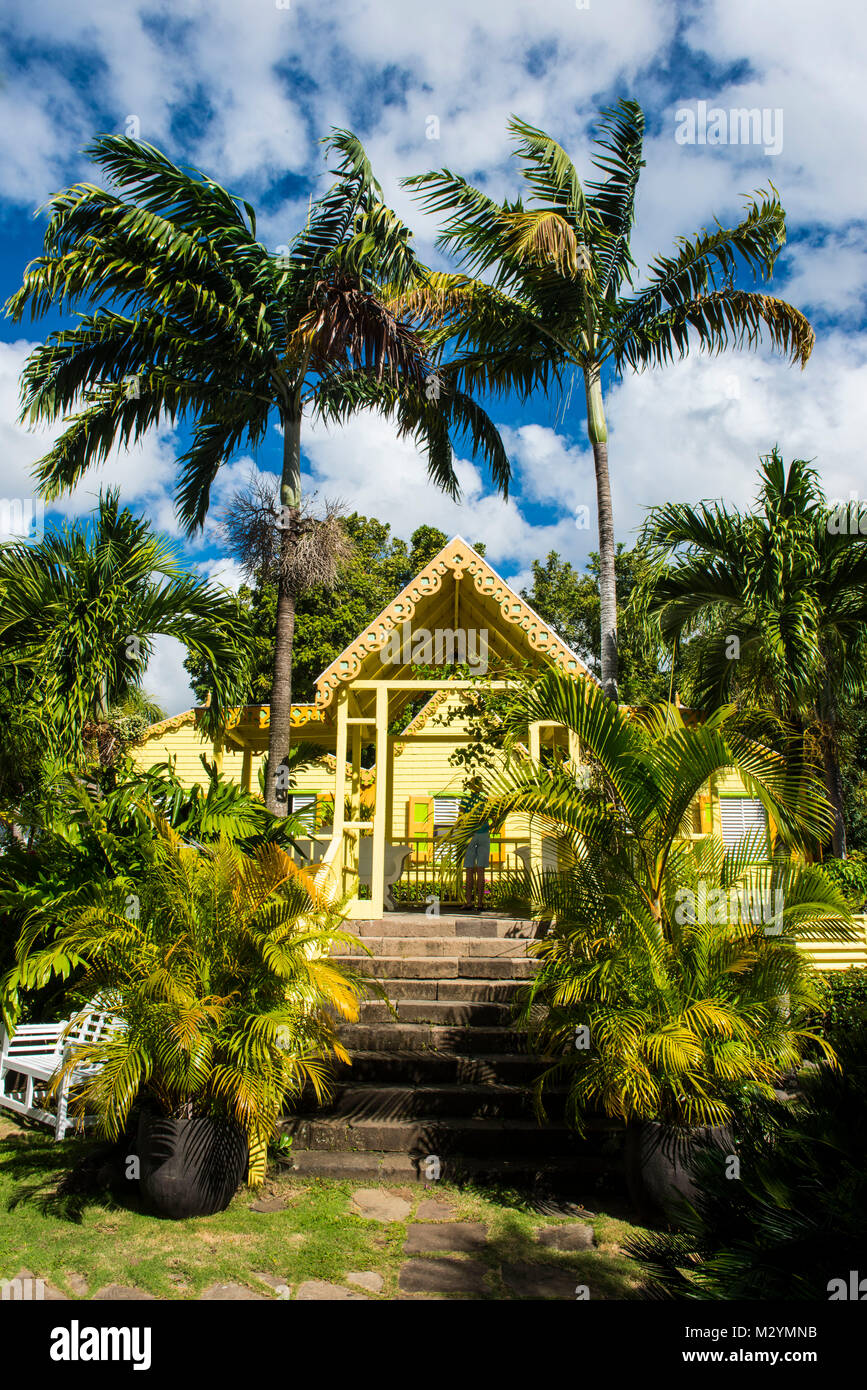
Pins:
<point x="31" y="1058"/>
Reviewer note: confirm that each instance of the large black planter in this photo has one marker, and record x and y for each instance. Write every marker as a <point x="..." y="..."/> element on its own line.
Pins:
<point x="656" y="1161"/>
<point x="189" y="1167"/>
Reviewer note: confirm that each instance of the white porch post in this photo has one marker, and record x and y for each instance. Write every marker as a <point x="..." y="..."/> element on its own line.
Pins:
<point x="389" y="790"/>
<point x="380" y="813"/>
<point x="355" y="792"/>
<point x="535" y="738"/>
<point x="340" y="783"/>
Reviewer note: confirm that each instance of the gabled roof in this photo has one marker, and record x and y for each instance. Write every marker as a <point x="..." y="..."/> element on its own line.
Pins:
<point x="458" y="582"/>
<point x="484" y="596"/>
<point x="168" y="726"/>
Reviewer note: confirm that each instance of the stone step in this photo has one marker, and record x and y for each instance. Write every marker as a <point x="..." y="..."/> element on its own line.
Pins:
<point x="407" y="925"/>
<point x="432" y="1068"/>
<point x="506" y="1138"/>
<point x="506" y="968"/>
<point x="489" y="947"/>
<point x="458" y="1013"/>
<point x="475" y="1100"/>
<point x="441" y="1069"/>
<point x="456" y="991"/>
<point x="391" y="1037"/>
<point x="438" y="968"/>
<point x="554" y="1174"/>
<point x="355" y="1167"/>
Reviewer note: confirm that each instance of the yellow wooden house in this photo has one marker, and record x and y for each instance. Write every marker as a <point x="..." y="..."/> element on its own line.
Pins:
<point x="377" y="831"/>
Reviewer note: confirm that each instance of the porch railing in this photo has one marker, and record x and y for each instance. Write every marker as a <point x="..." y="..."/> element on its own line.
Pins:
<point x="435" y="870"/>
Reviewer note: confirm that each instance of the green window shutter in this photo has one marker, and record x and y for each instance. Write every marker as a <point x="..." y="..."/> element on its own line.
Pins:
<point x="420" y="824"/>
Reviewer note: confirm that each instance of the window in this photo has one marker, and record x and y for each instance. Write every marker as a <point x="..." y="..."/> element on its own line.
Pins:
<point x="445" y="810"/>
<point x="303" y="804"/>
<point x="741" y="816"/>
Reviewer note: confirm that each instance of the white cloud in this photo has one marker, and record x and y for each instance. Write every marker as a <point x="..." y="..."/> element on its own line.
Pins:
<point x="552" y="469"/>
<point x="372" y="471"/>
<point x="222" y="571"/>
<point x="829" y="277"/>
<point x="696" y="430"/>
<point x="145" y="473"/>
<point x="165" y="678"/>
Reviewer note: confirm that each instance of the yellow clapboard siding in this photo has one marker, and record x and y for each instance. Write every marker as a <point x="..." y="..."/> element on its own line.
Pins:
<point x="729" y="784"/>
<point x="184" y="746"/>
<point x="838" y="955"/>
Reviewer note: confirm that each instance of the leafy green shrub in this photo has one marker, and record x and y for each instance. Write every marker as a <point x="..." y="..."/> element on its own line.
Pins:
<point x="672" y="955"/>
<point x="850" y="876"/>
<point x="796" y="1216"/>
<point x="219" y="970"/>
<point x="847" y="1001"/>
<point x="83" y="841"/>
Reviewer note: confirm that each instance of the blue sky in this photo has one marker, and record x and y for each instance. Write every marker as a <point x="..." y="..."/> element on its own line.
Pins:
<point x="245" y="88"/>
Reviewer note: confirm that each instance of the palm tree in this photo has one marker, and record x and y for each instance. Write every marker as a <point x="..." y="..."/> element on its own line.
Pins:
<point x="78" y="615"/>
<point x="199" y="322"/>
<point x="775" y="600"/>
<point x="671" y="951"/>
<point x="562" y="299"/>
<point x="222" y="979"/>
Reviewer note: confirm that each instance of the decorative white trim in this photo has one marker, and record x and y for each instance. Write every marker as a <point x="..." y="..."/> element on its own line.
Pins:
<point x="460" y="559"/>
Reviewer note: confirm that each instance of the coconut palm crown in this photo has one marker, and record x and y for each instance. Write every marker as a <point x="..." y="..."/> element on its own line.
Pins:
<point x="79" y="613"/>
<point x="190" y="318"/>
<point x="552" y="290"/>
<point x="772" y="602"/>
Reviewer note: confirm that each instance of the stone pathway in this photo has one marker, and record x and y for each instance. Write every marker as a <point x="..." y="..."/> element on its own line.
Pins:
<point x="279" y="1285"/>
<point x="467" y="1237"/>
<point x="540" y="1281"/>
<point x="377" y="1204"/>
<point x="49" y="1292"/>
<point x="567" y="1238"/>
<point x="314" y="1290"/>
<point x="230" y="1293"/>
<point x="442" y="1257"/>
<point x="443" y="1276"/>
<point x="367" y="1279"/>
<point x="435" y="1209"/>
<point x="438" y="1235"/>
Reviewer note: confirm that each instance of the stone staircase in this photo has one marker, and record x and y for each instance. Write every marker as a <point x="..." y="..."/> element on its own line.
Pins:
<point x="439" y="1082"/>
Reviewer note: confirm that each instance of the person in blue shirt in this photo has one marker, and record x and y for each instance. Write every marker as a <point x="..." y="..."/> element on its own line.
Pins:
<point x="478" y="852"/>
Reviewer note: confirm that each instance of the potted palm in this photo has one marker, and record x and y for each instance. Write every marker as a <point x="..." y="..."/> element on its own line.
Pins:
<point x="669" y="978"/>
<point x="218" y="968"/>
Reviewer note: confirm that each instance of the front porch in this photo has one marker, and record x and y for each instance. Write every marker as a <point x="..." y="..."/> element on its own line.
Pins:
<point x="371" y="855"/>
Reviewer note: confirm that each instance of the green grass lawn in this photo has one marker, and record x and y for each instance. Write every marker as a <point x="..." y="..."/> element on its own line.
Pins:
<point x="64" y="1237"/>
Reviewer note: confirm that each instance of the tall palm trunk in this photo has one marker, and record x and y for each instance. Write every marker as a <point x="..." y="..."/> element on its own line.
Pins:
<point x="834" y="788"/>
<point x="280" y="727"/>
<point x="597" y="431"/>
<point x="828" y="717"/>
<point x="834" y="785"/>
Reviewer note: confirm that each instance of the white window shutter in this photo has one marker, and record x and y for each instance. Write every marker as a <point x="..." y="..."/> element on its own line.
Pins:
<point x="740" y="816"/>
<point x="303" y="805"/>
<point x="445" y="810"/>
